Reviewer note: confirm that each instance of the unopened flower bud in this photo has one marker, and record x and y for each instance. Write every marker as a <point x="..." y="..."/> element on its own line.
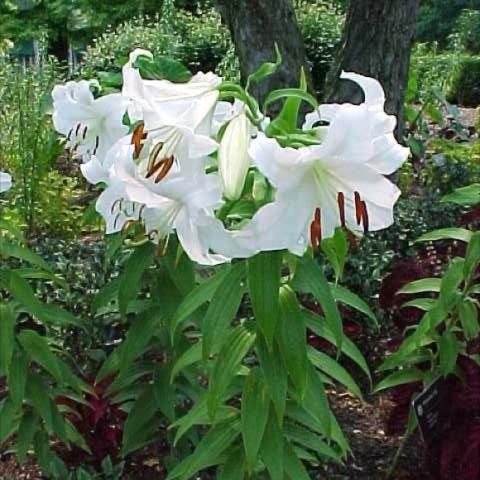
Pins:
<point x="233" y="158"/>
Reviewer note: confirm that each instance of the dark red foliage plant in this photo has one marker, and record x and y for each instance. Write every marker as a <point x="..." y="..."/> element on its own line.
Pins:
<point x="99" y="421"/>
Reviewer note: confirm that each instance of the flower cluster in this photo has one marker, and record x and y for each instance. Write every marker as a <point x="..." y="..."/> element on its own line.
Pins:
<point x="172" y="155"/>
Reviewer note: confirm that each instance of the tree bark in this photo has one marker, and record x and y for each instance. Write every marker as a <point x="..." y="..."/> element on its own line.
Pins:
<point x="377" y="42"/>
<point x="255" y="26"/>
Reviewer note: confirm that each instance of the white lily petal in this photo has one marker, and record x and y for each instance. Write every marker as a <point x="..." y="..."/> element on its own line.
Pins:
<point x="374" y="94"/>
<point x="94" y="171"/>
<point x="5" y="182"/>
<point x="91" y="125"/>
<point x="194" y="240"/>
<point x="284" y="167"/>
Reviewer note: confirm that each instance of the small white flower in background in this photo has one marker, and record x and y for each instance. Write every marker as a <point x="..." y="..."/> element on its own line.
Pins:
<point x="339" y="183"/>
<point x="90" y="125"/>
<point x="233" y="157"/>
<point x="5" y="182"/>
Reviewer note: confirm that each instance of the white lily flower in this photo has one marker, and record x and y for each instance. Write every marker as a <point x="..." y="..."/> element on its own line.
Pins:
<point x="5" y="182"/>
<point x="165" y="195"/>
<point x="233" y="158"/>
<point x="340" y="183"/>
<point x="90" y="125"/>
<point x="161" y="102"/>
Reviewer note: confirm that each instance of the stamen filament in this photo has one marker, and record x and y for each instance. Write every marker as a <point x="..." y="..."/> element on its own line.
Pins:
<point x="341" y="207"/>
<point x="358" y="208"/>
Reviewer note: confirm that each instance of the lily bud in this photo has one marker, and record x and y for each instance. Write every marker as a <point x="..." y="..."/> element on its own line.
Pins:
<point x="5" y="182"/>
<point x="233" y="158"/>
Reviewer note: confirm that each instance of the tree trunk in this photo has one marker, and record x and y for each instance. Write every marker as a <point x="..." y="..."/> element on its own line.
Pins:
<point x="377" y="42"/>
<point x="255" y="26"/>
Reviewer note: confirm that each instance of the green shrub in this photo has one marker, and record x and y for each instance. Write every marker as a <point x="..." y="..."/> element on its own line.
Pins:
<point x="202" y="42"/>
<point x="198" y="41"/>
<point x="433" y="68"/>
<point x="468" y="29"/>
<point x="450" y="165"/>
<point x="321" y="23"/>
<point x="465" y="86"/>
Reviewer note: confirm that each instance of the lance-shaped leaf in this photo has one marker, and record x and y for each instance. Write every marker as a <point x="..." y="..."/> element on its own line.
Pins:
<point x="293" y="339"/>
<point x="7" y="336"/>
<point x="130" y="282"/>
<point x="272" y="447"/>
<point x="310" y="278"/>
<point x="39" y="351"/>
<point x="222" y="309"/>
<point x="201" y="294"/>
<point x="254" y="415"/>
<point x="264" y="272"/>
<point x="208" y="452"/>
<point x="236" y="346"/>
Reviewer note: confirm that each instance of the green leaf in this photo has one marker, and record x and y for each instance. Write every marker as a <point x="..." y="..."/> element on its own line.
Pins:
<point x="336" y="250"/>
<point x="234" y="468"/>
<point x="264" y="273"/>
<point x="420" y="286"/>
<point x="316" y="402"/>
<point x="198" y="415"/>
<point x="450" y="283"/>
<point x="265" y="70"/>
<point x="318" y="326"/>
<point x="272" y="448"/>
<point x="448" y="352"/>
<point x="191" y="356"/>
<point x="333" y="369"/>
<point x="312" y="279"/>
<point x="472" y="257"/>
<point x="35" y="274"/>
<point x="139" y="418"/>
<point x="26" y="432"/>
<point x="310" y="440"/>
<point x="236" y="346"/>
<point x="287" y="120"/>
<point x="17" y="378"/>
<point x="294" y="468"/>
<point x="8" y="249"/>
<point x="38" y="350"/>
<point x="293" y="339"/>
<point x="289" y="93"/>
<point x="163" y="68"/>
<point x="138" y="337"/>
<point x="400" y="377"/>
<point x="37" y="393"/>
<point x="201" y="294"/>
<point x="130" y="283"/>
<point x="461" y="234"/>
<point x="106" y="295"/>
<point x="275" y="375"/>
<point x="7" y="336"/>
<point x="74" y="437"/>
<point x="464" y="196"/>
<point x="208" y="452"/>
<point x="164" y="391"/>
<point x="468" y="314"/>
<point x="20" y="289"/>
<point x="424" y="304"/>
<point x="9" y="414"/>
<point x="254" y="416"/>
<point x="345" y="296"/>
<point x="222" y="309"/>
